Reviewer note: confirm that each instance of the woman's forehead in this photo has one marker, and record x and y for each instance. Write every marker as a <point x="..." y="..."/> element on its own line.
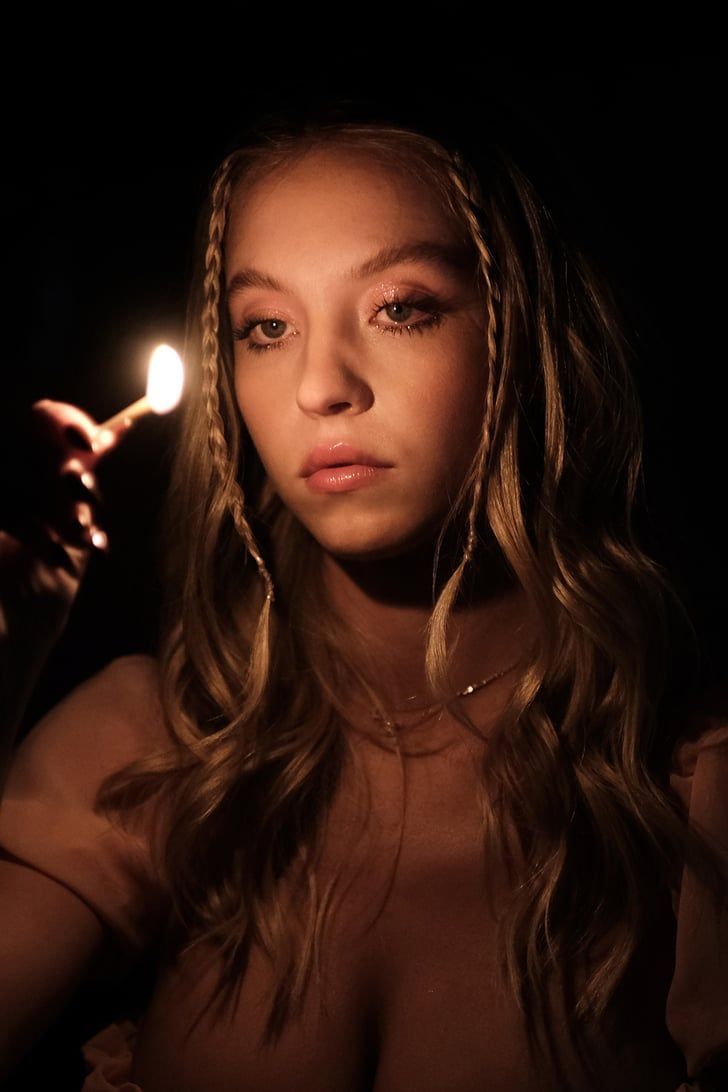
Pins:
<point x="343" y="174"/>
<point x="337" y="194"/>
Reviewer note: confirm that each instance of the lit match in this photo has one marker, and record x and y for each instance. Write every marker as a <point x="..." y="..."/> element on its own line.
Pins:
<point x="165" y="380"/>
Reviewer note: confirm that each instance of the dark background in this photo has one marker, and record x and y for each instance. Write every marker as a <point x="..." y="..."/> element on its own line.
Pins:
<point x="100" y="196"/>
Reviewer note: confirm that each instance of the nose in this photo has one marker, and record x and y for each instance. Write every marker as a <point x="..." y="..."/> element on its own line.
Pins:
<point x="331" y="377"/>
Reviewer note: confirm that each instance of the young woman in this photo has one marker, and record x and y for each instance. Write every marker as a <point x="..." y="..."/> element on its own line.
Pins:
<point x="404" y="801"/>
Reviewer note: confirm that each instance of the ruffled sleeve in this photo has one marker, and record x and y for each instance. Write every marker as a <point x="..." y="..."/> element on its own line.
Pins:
<point x="697" y="1003"/>
<point x="108" y="1056"/>
<point x="48" y="818"/>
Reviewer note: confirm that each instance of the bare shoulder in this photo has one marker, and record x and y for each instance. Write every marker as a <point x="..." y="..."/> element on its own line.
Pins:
<point x="125" y="684"/>
<point x="132" y="678"/>
<point x="115" y="713"/>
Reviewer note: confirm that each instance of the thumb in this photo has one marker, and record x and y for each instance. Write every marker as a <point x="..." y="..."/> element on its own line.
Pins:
<point x="104" y="439"/>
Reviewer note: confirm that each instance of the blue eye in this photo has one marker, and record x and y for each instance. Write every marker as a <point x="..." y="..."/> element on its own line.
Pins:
<point x="242" y="333"/>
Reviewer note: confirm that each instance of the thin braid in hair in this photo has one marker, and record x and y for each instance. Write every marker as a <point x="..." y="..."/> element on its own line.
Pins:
<point x="465" y="192"/>
<point x="465" y="184"/>
<point x="211" y="366"/>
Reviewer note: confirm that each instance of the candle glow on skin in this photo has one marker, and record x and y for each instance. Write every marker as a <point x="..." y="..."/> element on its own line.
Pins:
<point x="165" y="380"/>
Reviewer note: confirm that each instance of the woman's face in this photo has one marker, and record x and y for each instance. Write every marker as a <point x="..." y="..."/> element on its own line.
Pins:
<point x="336" y="344"/>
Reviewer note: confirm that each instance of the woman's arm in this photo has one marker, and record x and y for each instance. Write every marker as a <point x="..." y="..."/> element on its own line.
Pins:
<point x="75" y="889"/>
<point x="49" y="939"/>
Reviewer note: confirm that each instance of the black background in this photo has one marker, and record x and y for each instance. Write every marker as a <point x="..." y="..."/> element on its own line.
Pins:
<point x="100" y="196"/>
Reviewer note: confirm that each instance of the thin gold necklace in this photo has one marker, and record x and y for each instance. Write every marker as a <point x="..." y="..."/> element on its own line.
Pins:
<point x="430" y="709"/>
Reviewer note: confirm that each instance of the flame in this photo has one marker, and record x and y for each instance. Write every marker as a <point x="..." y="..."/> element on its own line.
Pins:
<point x="165" y="379"/>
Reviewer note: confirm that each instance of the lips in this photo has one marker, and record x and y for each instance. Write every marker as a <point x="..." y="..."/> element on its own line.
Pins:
<point x="337" y="453"/>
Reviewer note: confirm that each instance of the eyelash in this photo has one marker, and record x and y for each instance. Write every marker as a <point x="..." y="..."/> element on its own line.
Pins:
<point x="243" y="332"/>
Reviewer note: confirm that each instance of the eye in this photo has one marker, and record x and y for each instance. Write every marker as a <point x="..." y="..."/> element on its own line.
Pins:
<point x="398" y="309"/>
<point x="272" y="327"/>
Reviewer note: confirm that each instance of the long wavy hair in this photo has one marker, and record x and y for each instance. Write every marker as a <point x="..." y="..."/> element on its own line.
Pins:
<point x="253" y="660"/>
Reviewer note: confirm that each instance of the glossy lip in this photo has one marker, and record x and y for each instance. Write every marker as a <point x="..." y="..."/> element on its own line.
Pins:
<point x="337" y="453"/>
<point x="344" y="479"/>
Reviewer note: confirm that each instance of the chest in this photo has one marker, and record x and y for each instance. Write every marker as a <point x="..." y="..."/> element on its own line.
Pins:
<point x="408" y="995"/>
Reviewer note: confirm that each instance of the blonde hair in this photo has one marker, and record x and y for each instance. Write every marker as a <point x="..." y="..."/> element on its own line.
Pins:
<point x="574" y="783"/>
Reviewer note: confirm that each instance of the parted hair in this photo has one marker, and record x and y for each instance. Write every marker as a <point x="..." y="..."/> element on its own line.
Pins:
<point x="254" y="661"/>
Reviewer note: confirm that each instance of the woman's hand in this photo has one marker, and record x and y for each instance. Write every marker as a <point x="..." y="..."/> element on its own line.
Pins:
<point x="47" y="534"/>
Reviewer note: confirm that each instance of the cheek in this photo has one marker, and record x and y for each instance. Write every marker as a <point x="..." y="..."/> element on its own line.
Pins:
<point x="256" y="412"/>
<point x="240" y="396"/>
<point x="255" y="419"/>
<point x="247" y="392"/>
<point x="450" y="410"/>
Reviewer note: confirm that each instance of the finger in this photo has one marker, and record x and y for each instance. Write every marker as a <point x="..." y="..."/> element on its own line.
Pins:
<point x="87" y="533"/>
<point x="81" y="537"/>
<point x="34" y="538"/>
<point x="51" y="496"/>
<point x="98" y="440"/>
<point x="42" y="544"/>
<point x="99" y="540"/>
<point x="68" y="425"/>
<point x="70" y="539"/>
<point x="81" y="521"/>
<point x="79" y="484"/>
<point x="83" y="463"/>
<point x="77" y="554"/>
<point x="104" y="439"/>
<point x="54" y="418"/>
<point x="75" y="518"/>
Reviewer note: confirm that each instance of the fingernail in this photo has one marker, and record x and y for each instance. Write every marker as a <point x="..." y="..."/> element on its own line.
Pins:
<point x="102" y="439"/>
<point x="83" y="515"/>
<point x="99" y="539"/>
<point x="88" y="479"/>
<point x="76" y="437"/>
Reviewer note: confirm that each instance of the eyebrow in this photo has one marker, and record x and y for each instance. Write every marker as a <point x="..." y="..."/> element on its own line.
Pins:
<point x="451" y="256"/>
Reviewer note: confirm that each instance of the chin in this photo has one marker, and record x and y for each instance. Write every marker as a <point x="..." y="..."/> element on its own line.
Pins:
<point x="363" y="553"/>
<point x="369" y="546"/>
<point x="350" y="548"/>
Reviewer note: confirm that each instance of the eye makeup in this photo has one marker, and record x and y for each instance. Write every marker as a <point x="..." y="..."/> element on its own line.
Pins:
<point x="424" y="304"/>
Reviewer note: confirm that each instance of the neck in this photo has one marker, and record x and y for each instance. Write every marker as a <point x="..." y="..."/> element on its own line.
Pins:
<point x="388" y="602"/>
